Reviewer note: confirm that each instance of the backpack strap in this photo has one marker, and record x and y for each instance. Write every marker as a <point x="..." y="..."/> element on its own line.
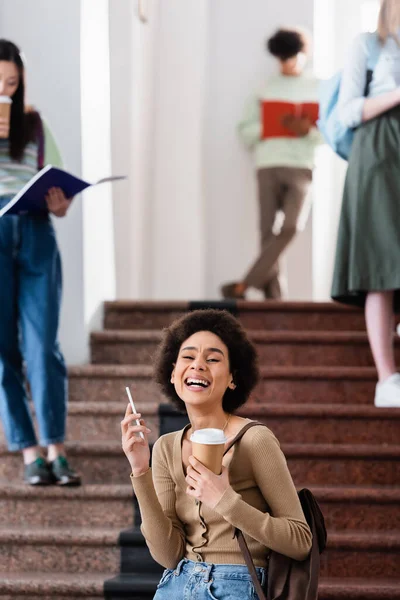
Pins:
<point x="250" y="564"/>
<point x="40" y="140"/>
<point x="241" y="433"/>
<point x="237" y="533"/>
<point x="373" y="50"/>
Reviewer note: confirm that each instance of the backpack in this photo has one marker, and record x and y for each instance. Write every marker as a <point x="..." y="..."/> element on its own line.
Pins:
<point x="289" y="579"/>
<point x="40" y="138"/>
<point x="337" y="135"/>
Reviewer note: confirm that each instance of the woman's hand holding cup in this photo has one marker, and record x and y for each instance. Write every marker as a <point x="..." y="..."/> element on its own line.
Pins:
<point x="135" y="447"/>
<point x="5" y="115"/>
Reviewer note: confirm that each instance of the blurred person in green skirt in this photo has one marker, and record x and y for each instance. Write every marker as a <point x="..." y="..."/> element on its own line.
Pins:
<point x="367" y="265"/>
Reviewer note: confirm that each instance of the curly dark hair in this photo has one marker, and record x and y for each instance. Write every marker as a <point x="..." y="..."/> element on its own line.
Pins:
<point x="287" y="43"/>
<point x="243" y="360"/>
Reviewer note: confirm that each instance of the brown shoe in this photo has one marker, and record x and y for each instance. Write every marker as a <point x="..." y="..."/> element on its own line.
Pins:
<point x="229" y="291"/>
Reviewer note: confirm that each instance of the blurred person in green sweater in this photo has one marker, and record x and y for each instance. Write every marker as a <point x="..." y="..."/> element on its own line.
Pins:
<point x="283" y="138"/>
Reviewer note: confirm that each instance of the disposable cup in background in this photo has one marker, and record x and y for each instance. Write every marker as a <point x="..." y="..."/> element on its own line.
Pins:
<point x="5" y="112"/>
<point x="208" y="447"/>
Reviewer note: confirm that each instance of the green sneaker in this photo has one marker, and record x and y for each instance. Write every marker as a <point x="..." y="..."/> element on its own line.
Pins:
<point x="38" y="473"/>
<point x="62" y="472"/>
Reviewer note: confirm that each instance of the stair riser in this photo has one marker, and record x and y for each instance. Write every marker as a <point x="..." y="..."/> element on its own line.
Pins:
<point x="53" y="597"/>
<point x="273" y="390"/>
<point x="318" y="391"/>
<point x="343" y="564"/>
<point x="344" y="471"/>
<point x="273" y="354"/>
<point x="57" y="512"/>
<point x="64" y="512"/>
<point x="360" y="593"/>
<point x="122" y="353"/>
<point x="353" y="515"/>
<point x="259" y="320"/>
<point x="302" y="321"/>
<point x="136" y="319"/>
<point x="105" y="428"/>
<point x="331" y="430"/>
<point x="16" y="558"/>
<point x="287" y="430"/>
<point x="93" y="428"/>
<point x="305" y="471"/>
<point x="103" y="389"/>
<point x="322" y="595"/>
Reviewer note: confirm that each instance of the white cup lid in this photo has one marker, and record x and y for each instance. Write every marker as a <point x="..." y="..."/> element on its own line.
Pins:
<point x="5" y="100"/>
<point x="208" y="436"/>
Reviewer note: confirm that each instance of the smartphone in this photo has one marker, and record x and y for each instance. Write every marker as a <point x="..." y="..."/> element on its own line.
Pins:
<point x="128" y="391"/>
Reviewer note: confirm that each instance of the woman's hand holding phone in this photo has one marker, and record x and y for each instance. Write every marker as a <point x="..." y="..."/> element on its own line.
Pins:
<point x="136" y="448"/>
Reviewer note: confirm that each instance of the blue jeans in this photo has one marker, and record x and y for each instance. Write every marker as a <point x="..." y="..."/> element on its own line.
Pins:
<point x="204" y="581"/>
<point x="30" y="296"/>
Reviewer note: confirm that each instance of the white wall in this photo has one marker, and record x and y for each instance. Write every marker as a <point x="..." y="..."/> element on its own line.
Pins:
<point x="178" y="209"/>
<point x="48" y="33"/>
<point x="98" y="242"/>
<point x="238" y="65"/>
<point x="133" y="55"/>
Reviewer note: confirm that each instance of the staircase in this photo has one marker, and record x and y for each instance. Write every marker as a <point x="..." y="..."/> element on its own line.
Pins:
<point x="315" y="393"/>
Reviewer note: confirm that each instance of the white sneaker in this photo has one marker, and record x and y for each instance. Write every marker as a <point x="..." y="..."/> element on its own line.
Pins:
<point x="387" y="393"/>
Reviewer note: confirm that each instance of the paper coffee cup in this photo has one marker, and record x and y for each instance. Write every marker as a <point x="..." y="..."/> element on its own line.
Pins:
<point x="5" y="111"/>
<point x="208" y="447"/>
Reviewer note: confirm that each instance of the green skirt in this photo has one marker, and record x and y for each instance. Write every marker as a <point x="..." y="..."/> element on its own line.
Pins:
<point x="368" y="244"/>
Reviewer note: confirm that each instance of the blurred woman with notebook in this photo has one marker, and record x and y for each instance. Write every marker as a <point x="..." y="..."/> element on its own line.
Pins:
<point x="30" y="274"/>
<point x="279" y="126"/>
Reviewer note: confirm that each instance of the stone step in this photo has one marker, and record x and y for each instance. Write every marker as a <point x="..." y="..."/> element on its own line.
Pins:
<point x="310" y="464"/>
<point x="51" y="586"/>
<point x="360" y="554"/>
<point x="348" y="507"/>
<point x="329" y="588"/>
<point x="299" y="423"/>
<point x="91" y="506"/>
<point x="59" y="586"/>
<point x="278" y="385"/>
<point x="271" y="315"/>
<point x="80" y="550"/>
<point x="284" y="348"/>
<point x="365" y="588"/>
<point x="348" y="554"/>
<point x="352" y="507"/>
<point x="324" y="423"/>
<point x="94" y="421"/>
<point x="291" y="423"/>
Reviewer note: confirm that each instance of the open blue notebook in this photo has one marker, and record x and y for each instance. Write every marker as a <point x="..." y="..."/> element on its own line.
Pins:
<point x="31" y="198"/>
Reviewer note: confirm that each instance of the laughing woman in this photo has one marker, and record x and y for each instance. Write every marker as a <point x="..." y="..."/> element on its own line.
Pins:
<point x="207" y="367"/>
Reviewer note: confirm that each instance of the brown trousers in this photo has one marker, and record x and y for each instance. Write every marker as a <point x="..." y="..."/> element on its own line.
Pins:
<point x="280" y="189"/>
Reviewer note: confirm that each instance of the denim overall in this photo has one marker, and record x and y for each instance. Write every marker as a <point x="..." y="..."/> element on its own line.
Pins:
<point x="30" y="296"/>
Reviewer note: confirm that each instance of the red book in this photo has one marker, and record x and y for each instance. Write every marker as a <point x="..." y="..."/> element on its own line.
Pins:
<point x="274" y="111"/>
